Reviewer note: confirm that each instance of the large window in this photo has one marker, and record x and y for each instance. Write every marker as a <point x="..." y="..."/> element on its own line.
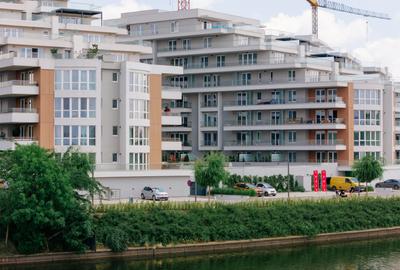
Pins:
<point x="367" y="96"/>
<point x="247" y="58"/>
<point x="138" y="135"/>
<point x="138" y="109"/>
<point x="138" y="161"/>
<point x="75" y="107"/>
<point x="138" y="82"/>
<point x="75" y="79"/>
<point x="367" y="117"/>
<point x="75" y="135"/>
<point x="367" y="138"/>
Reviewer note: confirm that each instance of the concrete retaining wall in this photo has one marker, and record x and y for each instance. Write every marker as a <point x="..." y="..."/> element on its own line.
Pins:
<point x="204" y="248"/>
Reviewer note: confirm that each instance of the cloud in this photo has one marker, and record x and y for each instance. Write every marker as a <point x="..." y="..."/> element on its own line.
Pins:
<point x="112" y="11"/>
<point x="343" y="36"/>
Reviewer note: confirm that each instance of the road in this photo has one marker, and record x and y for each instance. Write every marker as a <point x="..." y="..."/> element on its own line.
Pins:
<point x="279" y="196"/>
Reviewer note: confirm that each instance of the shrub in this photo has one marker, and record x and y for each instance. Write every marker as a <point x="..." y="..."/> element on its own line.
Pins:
<point x="172" y="223"/>
<point x="233" y="191"/>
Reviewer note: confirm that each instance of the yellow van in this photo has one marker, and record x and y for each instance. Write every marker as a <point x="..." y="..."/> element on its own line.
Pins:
<point x="344" y="183"/>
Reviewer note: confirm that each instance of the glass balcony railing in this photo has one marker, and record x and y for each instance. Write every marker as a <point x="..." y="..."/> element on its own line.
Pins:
<point x="295" y="121"/>
<point x="283" y="143"/>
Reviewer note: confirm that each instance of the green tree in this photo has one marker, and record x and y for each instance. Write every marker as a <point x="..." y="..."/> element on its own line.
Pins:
<point x="210" y="171"/>
<point x="367" y="169"/>
<point x="79" y="170"/>
<point x="43" y="211"/>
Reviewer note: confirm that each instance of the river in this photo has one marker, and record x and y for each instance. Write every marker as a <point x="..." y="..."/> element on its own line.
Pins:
<point x="366" y="255"/>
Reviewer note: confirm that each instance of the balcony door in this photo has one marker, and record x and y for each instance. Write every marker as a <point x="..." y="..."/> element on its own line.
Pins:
<point x="275" y="138"/>
<point x="320" y="157"/>
<point x="320" y="95"/>
<point x="243" y="118"/>
<point x="241" y="98"/>
<point x="320" y="116"/>
<point x="275" y="117"/>
<point x="332" y="157"/>
<point x="243" y="138"/>
<point x="320" y="138"/>
<point x="277" y="97"/>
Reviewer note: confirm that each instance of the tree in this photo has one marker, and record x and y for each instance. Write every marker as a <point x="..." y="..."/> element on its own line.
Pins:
<point x="367" y="169"/>
<point x="210" y="171"/>
<point x="79" y="170"/>
<point x="43" y="211"/>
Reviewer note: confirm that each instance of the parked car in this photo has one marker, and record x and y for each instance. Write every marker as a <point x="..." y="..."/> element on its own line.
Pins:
<point x="345" y="183"/>
<point x="154" y="193"/>
<point x="390" y="183"/>
<point x="248" y="186"/>
<point x="267" y="189"/>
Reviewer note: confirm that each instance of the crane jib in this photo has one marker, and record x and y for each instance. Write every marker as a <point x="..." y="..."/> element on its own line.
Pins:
<point x="344" y="8"/>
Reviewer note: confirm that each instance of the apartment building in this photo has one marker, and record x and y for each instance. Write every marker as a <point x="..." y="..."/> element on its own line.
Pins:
<point x="65" y="81"/>
<point x="260" y="97"/>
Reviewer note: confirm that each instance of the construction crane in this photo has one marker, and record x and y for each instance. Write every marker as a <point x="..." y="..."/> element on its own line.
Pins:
<point x="315" y="4"/>
<point x="183" y="4"/>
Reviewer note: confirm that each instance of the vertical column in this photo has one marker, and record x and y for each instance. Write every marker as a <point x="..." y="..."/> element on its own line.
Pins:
<point x="45" y="107"/>
<point x="155" y="121"/>
<point x="347" y="135"/>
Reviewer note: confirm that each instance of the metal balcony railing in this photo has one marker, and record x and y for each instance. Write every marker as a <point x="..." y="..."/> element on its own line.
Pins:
<point x="19" y="110"/>
<point x="295" y="121"/>
<point x="283" y="101"/>
<point x="283" y="143"/>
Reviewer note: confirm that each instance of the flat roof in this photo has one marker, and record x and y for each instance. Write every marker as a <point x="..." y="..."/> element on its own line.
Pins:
<point x="73" y="11"/>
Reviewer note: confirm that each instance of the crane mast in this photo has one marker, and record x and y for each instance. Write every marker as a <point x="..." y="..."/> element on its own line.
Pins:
<point x="183" y="4"/>
<point x="315" y="4"/>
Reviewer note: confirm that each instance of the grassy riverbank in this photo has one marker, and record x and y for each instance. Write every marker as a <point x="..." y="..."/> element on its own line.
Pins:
<point x="118" y="227"/>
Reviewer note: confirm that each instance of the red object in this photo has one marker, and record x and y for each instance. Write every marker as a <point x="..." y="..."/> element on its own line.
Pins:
<point x="323" y="175"/>
<point x="189" y="183"/>
<point x="316" y="184"/>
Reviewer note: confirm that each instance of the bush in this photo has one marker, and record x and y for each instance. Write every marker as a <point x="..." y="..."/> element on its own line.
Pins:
<point x="279" y="182"/>
<point x="116" y="240"/>
<point x="172" y="223"/>
<point x="233" y="191"/>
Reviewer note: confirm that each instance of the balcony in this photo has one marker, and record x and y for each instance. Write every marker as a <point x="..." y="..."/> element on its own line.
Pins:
<point x="18" y="88"/>
<point x="242" y="85"/>
<point x="171" y="144"/>
<point x="171" y="93"/>
<point x="288" y="124"/>
<point x="19" y="115"/>
<point x="214" y="67"/>
<point x="171" y="119"/>
<point x="280" y="104"/>
<point x="208" y="145"/>
<point x="11" y="143"/>
<point x="310" y="145"/>
<point x="11" y="61"/>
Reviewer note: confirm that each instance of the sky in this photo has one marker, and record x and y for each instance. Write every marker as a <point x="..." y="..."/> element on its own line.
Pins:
<point x="342" y="31"/>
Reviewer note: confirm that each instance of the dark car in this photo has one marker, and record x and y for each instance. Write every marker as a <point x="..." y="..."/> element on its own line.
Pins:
<point x="390" y="183"/>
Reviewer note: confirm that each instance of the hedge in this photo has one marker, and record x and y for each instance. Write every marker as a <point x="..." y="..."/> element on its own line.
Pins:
<point x="279" y="182"/>
<point x="233" y="191"/>
<point x="156" y="224"/>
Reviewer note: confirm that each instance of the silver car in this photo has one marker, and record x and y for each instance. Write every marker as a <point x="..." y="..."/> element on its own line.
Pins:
<point x="267" y="189"/>
<point x="154" y="193"/>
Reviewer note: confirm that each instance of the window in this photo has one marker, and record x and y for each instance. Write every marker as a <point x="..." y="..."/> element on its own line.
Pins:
<point x="247" y="58"/>
<point x="66" y="108"/>
<point x="57" y="135"/>
<point x="174" y="27"/>
<point x="57" y="107"/>
<point x="75" y="107"/>
<point x="204" y="61"/>
<point x="92" y="135"/>
<point x="292" y="136"/>
<point x="292" y="156"/>
<point x="115" y="104"/>
<point x="115" y="77"/>
<point x="220" y="60"/>
<point x="172" y="45"/>
<point x="292" y="96"/>
<point x="138" y="135"/>
<point x="114" y="157"/>
<point x="75" y="79"/>
<point x="138" y="161"/>
<point x="292" y="115"/>
<point x="207" y="42"/>
<point x="115" y="130"/>
<point x="30" y="52"/>
<point x="259" y="115"/>
<point x="367" y="138"/>
<point x="75" y="135"/>
<point x="186" y="44"/>
<point x="367" y="96"/>
<point x="367" y="117"/>
<point x="138" y="82"/>
<point x="259" y="95"/>
<point x="138" y="109"/>
<point x="292" y="75"/>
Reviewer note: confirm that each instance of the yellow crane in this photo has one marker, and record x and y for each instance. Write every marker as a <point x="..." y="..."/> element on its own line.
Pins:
<point x="315" y="4"/>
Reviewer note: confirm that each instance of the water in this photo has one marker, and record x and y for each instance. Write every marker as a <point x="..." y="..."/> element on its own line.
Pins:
<point x="371" y="255"/>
